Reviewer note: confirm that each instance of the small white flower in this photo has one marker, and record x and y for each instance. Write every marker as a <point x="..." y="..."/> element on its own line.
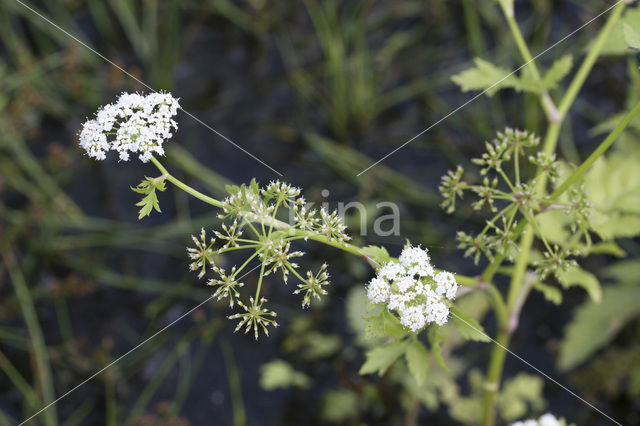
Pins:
<point x="134" y="124"/>
<point x="548" y="420"/>
<point x="378" y="290"/>
<point x="438" y="313"/>
<point x="544" y="420"/>
<point x="413" y="318"/>
<point x="446" y="284"/>
<point x="405" y="283"/>
<point x="391" y="271"/>
<point x="411" y="256"/>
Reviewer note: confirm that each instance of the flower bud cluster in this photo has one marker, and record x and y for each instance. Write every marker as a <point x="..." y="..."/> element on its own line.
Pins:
<point x="413" y="289"/>
<point x="257" y="227"/>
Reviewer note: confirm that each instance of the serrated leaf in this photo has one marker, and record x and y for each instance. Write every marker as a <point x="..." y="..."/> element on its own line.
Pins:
<point x="559" y="70"/>
<point x="150" y="201"/>
<point x="486" y="76"/>
<point x="380" y="359"/>
<point x="576" y="276"/>
<point x="417" y="361"/>
<point x="468" y="327"/>
<point x="596" y="324"/>
<point x="631" y="36"/>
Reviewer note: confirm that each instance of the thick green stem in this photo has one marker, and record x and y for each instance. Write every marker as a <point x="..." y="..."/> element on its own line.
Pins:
<point x="498" y="354"/>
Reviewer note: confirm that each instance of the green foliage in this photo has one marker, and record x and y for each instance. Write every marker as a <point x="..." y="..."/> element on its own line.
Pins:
<point x="280" y="374"/>
<point x="486" y="76"/>
<point x="417" y="358"/>
<point x="489" y="77"/>
<point x="468" y="327"/>
<point x="558" y="71"/>
<point x="596" y="324"/>
<point x="379" y="359"/>
<point x="340" y="406"/>
<point x="309" y="344"/>
<point x="551" y="293"/>
<point x="148" y="187"/>
<point x="378" y="254"/>
<point x="621" y="38"/>
<point x="631" y="36"/>
<point x="435" y="340"/>
<point x="576" y="276"/>
<point x="520" y="395"/>
<point x="613" y="187"/>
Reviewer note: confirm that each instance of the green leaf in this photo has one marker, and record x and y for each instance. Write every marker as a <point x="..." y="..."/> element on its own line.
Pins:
<point x="340" y="406"/>
<point x="392" y="326"/>
<point x="468" y="327"/>
<point x="518" y="394"/>
<point x="576" y="276"/>
<point x="551" y="293"/>
<point x="559" y="70"/>
<point x="148" y="187"/>
<point x="625" y="272"/>
<point x="375" y="325"/>
<point x="379" y="255"/>
<point x="486" y="76"/>
<point x="280" y="374"/>
<point x="435" y="339"/>
<point x="417" y="361"/>
<point x="594" y="325"/>
<point x="617" y="43"/>
<point x="631" y="36"/>
<point x="605" y="247"/>
<point x="613" y="188"/>
<point x="380" y="359"/>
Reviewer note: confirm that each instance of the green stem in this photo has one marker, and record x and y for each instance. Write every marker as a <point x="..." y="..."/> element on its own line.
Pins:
<point x="545" y="100"/>
<point x="496" y="363"/>
<point x="185" y="187"/>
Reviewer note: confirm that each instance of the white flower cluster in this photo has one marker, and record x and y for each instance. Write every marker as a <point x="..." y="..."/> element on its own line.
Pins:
<point x="412" y="288"/>
<point x="134" y="124"/>
<point x="544" y="420"/>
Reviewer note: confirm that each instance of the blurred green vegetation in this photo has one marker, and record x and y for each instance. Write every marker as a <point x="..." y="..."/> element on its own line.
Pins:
<point x="318" y="89"/>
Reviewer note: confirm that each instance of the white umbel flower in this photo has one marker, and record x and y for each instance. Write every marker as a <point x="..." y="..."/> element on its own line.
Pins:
<point x="446" y="284"/>
<point x="544" y="420"/>
<point x="548" y="420"/>
<point x="413" y="318"/>
<point x="411" y="288"/>
<point x="378" y="290"/>
<point x="133" y="124"/>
